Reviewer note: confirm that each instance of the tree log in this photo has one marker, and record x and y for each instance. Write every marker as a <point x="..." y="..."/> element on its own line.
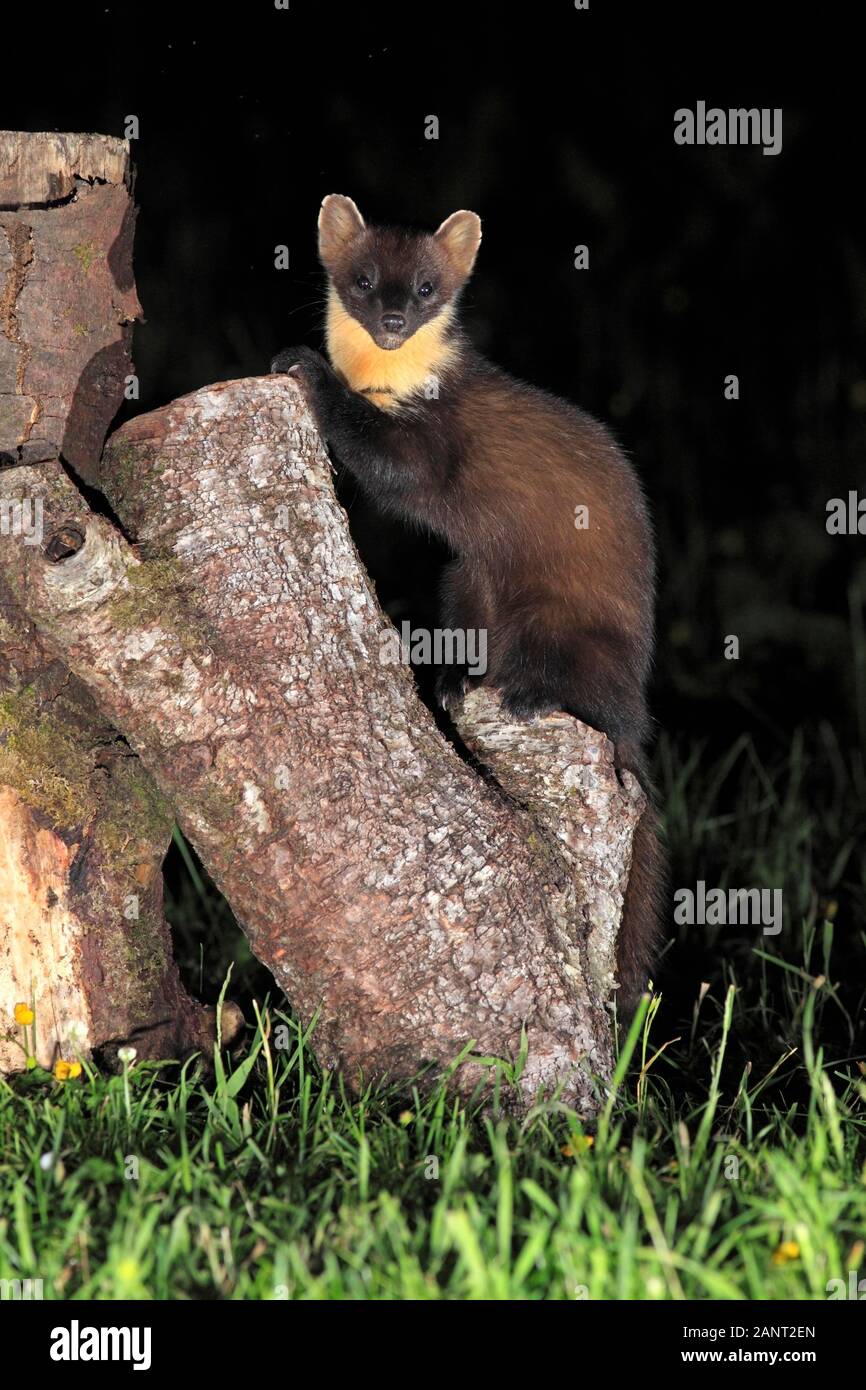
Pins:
<point x="83" y="829"/>
<point x="83" y="941"/>
<point x="67" y="294"/>
<point x="238" y="646"/>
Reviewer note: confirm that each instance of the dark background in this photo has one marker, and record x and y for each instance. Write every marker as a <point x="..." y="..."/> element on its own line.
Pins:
<point x="556" y="126"/>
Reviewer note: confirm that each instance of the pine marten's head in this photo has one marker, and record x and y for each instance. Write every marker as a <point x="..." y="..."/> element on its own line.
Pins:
<point x="392" y="296"/>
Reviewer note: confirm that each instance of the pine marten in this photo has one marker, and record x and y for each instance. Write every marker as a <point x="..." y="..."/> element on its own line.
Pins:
<point x="502" y="472"/>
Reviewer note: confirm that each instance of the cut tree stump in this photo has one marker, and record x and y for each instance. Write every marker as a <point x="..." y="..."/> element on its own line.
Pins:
<point x="67" y="294"/>
<point x="83" y="829"/>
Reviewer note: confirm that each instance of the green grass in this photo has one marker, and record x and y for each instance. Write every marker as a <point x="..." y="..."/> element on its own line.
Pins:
<point x="728" y="1162"/>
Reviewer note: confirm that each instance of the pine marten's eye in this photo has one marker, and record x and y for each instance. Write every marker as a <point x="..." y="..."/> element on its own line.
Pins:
<point x="425" y="290"/>
<point x="363" y="283"/>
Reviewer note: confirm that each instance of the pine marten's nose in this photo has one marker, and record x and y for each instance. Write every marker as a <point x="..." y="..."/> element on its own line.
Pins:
<point x="393" y="323"/>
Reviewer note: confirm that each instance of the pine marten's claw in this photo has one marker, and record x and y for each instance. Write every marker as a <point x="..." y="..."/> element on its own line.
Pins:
<point x="287" y="361"/>
<point x="292" y="361"/>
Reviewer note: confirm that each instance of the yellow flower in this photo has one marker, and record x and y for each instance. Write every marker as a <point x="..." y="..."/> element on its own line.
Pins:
<point x="406" y="1117"/>
<point x="127" y="1271"/>
<point x="24" y="1015"/>
<point x="788" y="1250"/>
<point x="578" y="1144"/>
<point x="66" y="1071"/>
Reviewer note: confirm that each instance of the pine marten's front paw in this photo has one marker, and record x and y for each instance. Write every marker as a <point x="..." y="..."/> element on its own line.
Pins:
<point x="452" y="684"/>
<point x="299" y="361"/>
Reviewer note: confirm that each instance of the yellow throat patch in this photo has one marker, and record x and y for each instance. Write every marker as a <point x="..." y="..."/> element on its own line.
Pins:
<point x="386" y="378"/>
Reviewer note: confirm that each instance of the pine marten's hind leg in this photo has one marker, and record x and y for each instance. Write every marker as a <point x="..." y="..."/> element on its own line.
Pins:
<point x="597" y="679"/>
<point x="593" y="676"/>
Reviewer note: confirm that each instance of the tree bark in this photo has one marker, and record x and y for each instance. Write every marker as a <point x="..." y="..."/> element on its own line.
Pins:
<point x="416" y="905"/>
<point x="67" y="294"/>
<point x="83" y="829"/>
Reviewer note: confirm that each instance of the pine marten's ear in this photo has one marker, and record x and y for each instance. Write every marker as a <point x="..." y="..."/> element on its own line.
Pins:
<point x="339" y="223"/>
<point x="460" y="237"/>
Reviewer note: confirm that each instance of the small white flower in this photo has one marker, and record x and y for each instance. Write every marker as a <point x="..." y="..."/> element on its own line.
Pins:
<point x="127" y="1054"/>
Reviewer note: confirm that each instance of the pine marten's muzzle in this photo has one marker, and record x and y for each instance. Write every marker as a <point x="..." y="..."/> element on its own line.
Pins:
<point x="392" y="330"/>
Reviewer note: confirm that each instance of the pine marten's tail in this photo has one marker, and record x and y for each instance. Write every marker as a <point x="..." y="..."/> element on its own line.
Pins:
<point x="640" y="930"/>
